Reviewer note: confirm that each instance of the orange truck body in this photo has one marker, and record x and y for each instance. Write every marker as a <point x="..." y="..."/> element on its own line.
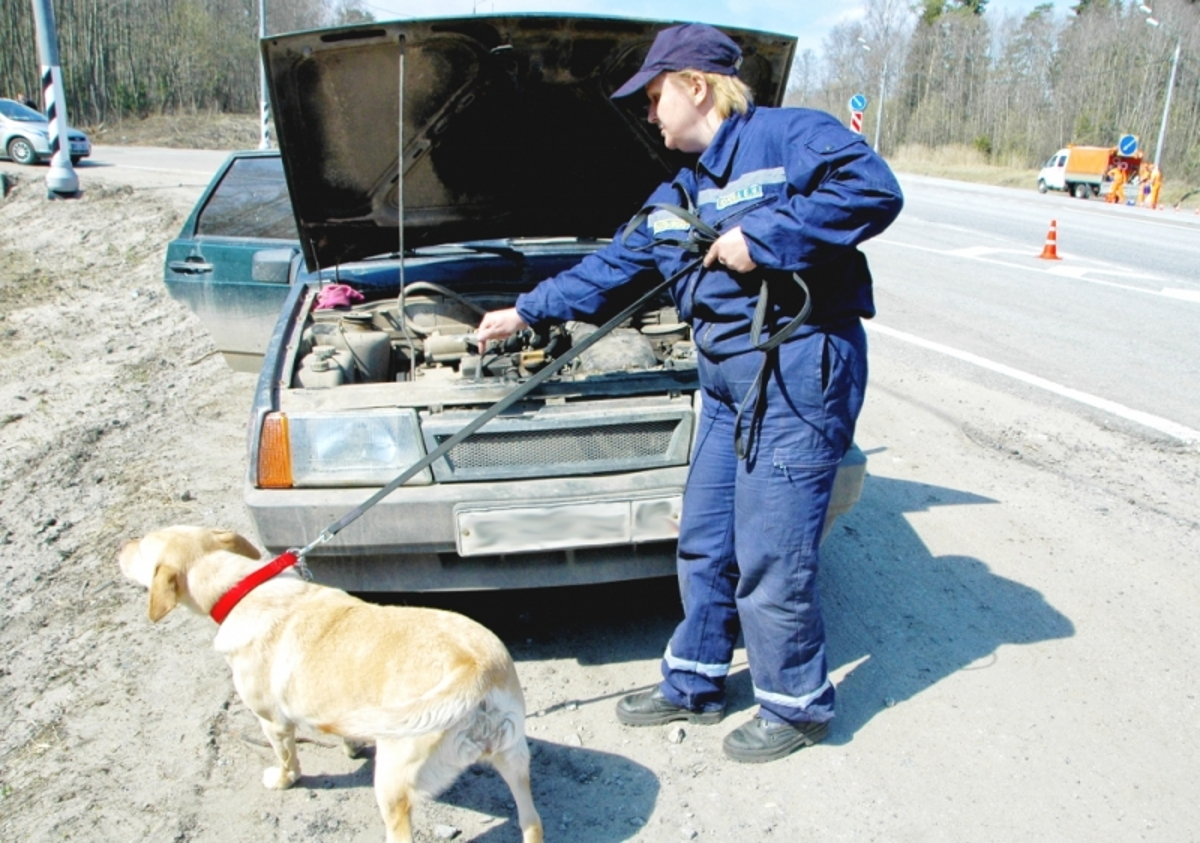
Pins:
<point x="1082" y="170"/>
<point x="1094" y="161"/>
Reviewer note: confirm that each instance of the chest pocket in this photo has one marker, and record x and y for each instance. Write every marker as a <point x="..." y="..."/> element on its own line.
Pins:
<point x="829" y="140"/>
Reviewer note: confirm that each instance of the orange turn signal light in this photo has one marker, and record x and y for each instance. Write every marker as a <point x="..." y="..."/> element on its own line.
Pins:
<point x="274" y="454"/>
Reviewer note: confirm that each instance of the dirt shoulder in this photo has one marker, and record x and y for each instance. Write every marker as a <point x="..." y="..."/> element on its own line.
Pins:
<point x="181" y="131"/>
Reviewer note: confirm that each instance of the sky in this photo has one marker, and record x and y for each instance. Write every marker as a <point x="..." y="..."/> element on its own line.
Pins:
<point x="808" y="20"/>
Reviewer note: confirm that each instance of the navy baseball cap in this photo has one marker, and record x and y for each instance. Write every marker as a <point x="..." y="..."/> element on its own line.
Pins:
<point x="689" y="46"/>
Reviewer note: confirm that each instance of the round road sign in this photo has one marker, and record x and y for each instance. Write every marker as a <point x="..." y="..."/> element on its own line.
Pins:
<point x="858" y="102"/>
<point x="1127" y="145"/>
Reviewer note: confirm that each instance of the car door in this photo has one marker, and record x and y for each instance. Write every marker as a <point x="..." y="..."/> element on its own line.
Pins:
<point x="237" y="255"/>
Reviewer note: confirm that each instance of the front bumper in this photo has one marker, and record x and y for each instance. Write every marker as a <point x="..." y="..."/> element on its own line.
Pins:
<point x="41" y="146"/>
<point x="410" y="540"/>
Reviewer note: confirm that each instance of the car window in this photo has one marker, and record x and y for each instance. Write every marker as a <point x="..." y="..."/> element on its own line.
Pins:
<point x="14" y="110"/>
<point x="251" y="201"/>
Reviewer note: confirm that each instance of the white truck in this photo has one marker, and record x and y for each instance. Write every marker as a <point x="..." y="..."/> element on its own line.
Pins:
<point x="1082" y="170"/>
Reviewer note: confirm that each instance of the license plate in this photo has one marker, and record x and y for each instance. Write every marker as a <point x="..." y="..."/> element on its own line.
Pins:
<point x="525" y="529"/>
<point x="78" y="147"/>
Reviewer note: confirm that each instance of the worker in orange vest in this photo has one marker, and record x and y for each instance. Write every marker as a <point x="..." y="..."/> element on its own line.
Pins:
<point x="1143" y="180"/>
<point x="1116" y="193"/>
<point x="1155" y="185"/>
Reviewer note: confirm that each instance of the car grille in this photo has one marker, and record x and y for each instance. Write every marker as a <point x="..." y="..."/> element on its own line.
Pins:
<point x="563" y="444"/>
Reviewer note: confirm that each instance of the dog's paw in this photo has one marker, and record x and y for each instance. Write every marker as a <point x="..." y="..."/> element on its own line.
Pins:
<point x="358" y="749"/>
<point x="277" y="778"/>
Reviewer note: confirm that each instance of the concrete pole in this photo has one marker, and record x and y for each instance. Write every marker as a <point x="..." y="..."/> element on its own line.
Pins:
<point x="1162" y="128"/>
<point x="879" y="119"/>
<point x="61" y="181"/>
<point x="264" y="140"/>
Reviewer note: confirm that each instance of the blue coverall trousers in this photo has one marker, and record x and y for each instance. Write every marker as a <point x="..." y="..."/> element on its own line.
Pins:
<point x="751" y="528"/>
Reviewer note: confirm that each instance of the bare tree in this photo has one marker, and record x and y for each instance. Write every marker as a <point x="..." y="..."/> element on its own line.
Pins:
<point x="136" y="57"/>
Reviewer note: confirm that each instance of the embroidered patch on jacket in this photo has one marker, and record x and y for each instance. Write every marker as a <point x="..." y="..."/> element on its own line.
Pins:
<point x="745" y="194"/>
<point x="662" y="221"/>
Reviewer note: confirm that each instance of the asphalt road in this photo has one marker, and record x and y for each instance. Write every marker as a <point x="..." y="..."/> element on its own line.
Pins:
<point x="145" y="167"/>
<point x="1110" y="327"/>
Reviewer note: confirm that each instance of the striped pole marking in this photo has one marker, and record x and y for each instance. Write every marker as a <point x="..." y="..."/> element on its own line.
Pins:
<point x="264" y="138"/>
<point x="48" y="74"/>
<point x="60" y="153"/>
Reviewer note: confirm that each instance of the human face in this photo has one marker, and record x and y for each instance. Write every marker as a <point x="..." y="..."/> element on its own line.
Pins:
<point x="676" y="107"/>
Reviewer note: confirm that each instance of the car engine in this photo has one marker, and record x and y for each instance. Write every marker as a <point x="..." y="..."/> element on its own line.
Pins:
<point x="428" y="335"/>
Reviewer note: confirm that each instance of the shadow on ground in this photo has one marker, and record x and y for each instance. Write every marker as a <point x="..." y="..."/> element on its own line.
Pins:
<point x="565" y="780"/>
<point x="902" y="617"/>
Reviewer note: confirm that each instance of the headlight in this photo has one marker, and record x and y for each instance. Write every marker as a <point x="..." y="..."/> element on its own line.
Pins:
<point x="322" y="449"/>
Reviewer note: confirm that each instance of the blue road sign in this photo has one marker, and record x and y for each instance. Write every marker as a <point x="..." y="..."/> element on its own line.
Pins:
<point x="858" y="102"/>
<point x="1127" y="145"/>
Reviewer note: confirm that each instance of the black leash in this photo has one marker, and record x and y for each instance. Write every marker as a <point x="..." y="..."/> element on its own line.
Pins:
<point x="700" y="238"/>
<point x="758" y="389"/>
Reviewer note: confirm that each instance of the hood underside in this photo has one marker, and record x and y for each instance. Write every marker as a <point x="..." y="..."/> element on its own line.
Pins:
<point x="507" y="124"/>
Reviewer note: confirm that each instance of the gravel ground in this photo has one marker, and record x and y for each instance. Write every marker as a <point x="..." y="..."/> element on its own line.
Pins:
<point x="1012" y="608"/>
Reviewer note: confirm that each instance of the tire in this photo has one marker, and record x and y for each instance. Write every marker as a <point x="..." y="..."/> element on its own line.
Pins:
<point x="1081" y="191"/>
<point x="75" y="159"/>
<point x="1042" y="186"/>
<point x="22" y="152"/>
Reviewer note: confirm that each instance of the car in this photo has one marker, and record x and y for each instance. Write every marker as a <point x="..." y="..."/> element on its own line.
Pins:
<point x="25" y="135"/>
<point x="352" y="270"/>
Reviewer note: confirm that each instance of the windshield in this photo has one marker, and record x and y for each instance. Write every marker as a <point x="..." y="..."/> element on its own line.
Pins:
<point x="15" y="111"/>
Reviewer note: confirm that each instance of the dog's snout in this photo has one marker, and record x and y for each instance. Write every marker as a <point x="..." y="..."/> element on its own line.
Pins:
<point x="127" y="555"/>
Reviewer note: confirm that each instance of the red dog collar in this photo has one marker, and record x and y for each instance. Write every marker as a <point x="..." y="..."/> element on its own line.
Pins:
<point x="234" y="596"/>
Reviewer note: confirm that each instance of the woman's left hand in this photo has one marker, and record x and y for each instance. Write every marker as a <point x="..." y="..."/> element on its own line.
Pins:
<point x="730" y="251"/>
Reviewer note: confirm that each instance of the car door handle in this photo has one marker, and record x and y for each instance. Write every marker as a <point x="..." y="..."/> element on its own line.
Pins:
<point x="190" y="267"/>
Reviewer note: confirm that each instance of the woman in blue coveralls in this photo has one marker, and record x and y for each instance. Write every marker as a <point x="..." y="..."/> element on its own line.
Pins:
<point x="791" y="193"/>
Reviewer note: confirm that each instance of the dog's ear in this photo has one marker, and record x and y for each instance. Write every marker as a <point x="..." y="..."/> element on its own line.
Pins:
<point x="236" y="543"/>
<point x="164" y="592"/>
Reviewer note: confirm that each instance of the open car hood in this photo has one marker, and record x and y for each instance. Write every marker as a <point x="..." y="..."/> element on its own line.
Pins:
<point x="508" y="128"/>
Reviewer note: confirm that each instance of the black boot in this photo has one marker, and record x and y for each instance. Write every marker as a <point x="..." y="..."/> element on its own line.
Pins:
<point x="651" y="708"/>
<point x="765" y="740"/>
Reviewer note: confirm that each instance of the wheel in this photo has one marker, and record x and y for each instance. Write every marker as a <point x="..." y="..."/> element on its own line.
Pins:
<point x="1081" y="191"/>
<point x="21" y="151"/>
<point x="1041" y="186"/>
<point x="75" y="159"/>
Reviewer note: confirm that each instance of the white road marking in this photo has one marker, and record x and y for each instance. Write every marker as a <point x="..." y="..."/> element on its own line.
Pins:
<point x="164" y="169"/>
<point x="976" y="251"/>
<point x="1077" y="273"/>
<point x="1166" y="426"/>
<point x="1186" y="295"/>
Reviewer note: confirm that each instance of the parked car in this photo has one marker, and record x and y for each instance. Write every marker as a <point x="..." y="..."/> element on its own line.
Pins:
<point x="25" y="135"/>
<point x="516" y="164"/>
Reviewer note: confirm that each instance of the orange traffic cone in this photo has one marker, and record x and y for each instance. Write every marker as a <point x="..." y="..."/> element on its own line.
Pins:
<point x="1050" y="250"/>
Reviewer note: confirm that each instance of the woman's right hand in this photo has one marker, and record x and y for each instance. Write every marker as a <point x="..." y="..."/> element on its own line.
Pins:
<point x="499" y="324"/>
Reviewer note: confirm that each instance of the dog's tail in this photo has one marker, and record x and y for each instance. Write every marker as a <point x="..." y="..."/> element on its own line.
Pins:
<point x="461" y="691"/>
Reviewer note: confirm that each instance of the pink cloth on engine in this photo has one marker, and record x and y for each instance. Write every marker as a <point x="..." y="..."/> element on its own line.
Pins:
<point x="337" y="295"/>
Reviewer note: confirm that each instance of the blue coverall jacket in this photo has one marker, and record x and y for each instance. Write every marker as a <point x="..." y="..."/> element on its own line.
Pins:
<point x="805" y="191"/>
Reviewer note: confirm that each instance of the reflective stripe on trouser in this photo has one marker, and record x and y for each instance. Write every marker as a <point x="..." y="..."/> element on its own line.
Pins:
<point x="761" y="577"/>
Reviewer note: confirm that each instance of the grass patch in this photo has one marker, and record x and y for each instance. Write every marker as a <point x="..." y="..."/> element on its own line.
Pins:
<point x="966" y="163"/>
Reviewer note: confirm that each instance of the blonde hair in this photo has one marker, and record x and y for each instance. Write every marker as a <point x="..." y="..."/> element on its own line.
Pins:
<point x="730" y="93"/>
